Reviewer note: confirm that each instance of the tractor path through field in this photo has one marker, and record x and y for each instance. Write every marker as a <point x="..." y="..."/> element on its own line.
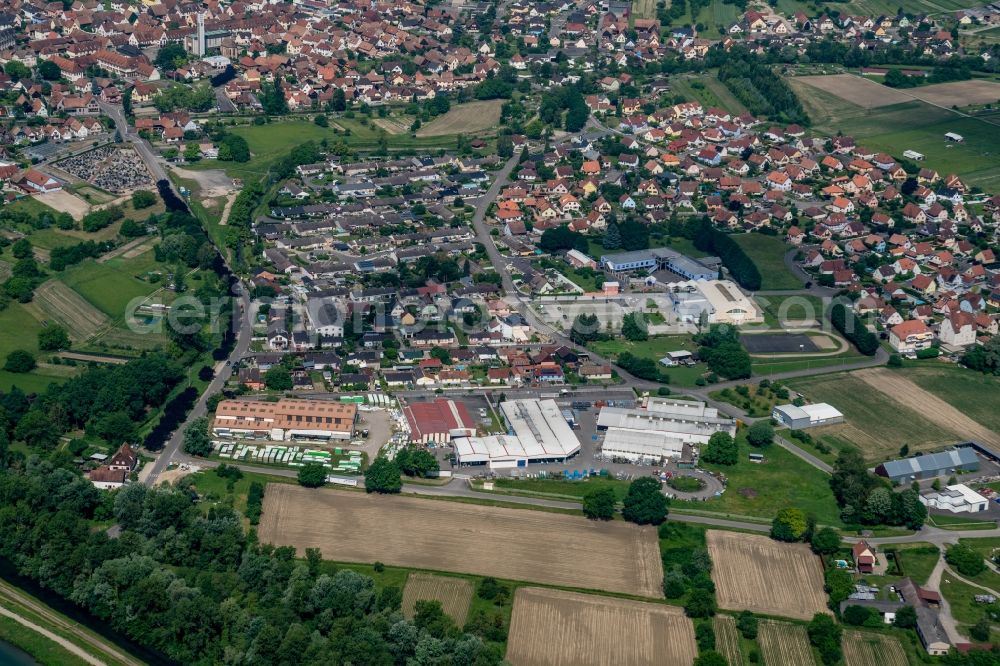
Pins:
<point x="224" y="218"/>
<point x="907" y="393"/>
<point x="9" y="592"/>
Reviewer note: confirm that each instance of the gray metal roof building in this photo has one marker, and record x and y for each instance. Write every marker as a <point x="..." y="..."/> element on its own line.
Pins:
<point x="930" y="465"/>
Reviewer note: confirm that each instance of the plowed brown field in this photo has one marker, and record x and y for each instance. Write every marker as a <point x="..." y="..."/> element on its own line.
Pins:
<point x="536" y="546"/>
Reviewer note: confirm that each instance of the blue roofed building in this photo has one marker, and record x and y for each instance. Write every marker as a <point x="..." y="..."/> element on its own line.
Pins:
<point x="930" y="465"/>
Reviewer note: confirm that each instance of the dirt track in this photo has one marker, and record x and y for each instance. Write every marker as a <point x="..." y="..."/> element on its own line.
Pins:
<point x="935" y="409"/>
<point x="537" y="546"/>
<point x="12" y="593"/>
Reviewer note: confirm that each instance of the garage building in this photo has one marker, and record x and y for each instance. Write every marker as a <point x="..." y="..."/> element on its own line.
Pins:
<point x="806" y="416"/>
<point x="538" y="433"/>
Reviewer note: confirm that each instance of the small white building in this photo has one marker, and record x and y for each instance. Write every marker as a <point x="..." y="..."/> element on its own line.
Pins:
<point x="958" y="498"/>
<point x="952" y="136"/>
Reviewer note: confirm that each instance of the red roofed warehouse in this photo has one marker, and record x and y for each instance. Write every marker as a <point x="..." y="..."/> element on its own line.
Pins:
<point x="286" y="419"/>
<point x="436" y="421"/>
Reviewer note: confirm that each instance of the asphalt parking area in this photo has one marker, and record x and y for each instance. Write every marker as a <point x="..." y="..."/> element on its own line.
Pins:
<point x="778" y="343"/>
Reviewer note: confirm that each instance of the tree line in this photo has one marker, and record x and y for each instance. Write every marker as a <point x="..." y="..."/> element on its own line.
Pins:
<point x="734" y="258"/>
<point x="853" y="329"/>
<point x="761" y="90"/>
<point x="197" y="589"/>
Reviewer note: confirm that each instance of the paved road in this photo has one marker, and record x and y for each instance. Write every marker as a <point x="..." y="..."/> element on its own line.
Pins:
<point x="222" y="370"/>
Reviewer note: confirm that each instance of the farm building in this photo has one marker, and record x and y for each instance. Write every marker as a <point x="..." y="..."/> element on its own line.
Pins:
<point x="287" y="419"/>
<point x="952" y="136"/>
<point x="660" y="429"/>
<point x="913" y="155"/>
<point x="438" y="421"/>
<point x="929" y="465"/>
<point x="806" y="416"/>
<point x="538" y="433"/>
<point x="958" y="498"/>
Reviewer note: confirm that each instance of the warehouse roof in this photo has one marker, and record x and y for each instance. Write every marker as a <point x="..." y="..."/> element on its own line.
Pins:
<point x="953" y="458"/>
<point x="539" y="432"/>
<point x="438" y="417"/>
<point x="651" y="444"/>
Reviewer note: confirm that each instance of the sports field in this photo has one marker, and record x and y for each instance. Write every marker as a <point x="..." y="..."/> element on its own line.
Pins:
<point x="557" y="628"/>
<point x="464" y="119"/>
<point x="865" y="649"/>
<point x="744" y="572"/>
<point x="454" y="594"/>
<point x="541" y="547"/>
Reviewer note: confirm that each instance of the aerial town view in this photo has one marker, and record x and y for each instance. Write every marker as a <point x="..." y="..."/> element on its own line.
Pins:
<point x="481" y="332"/>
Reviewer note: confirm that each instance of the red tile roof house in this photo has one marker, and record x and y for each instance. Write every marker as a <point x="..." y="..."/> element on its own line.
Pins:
<point x="864" y="557"/>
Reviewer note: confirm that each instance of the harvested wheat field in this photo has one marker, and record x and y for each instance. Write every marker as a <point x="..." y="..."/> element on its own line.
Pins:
<point x="959" y="93"/>
<point x="516" y="544"/>
<point x="861" y="649"/>
<point x="902" y="390"/>
<point x="80" y="319"/>
<point x="727" y="639"/>
<point x="784" y="643"/>
<point x="464" y="118"/>
<point x="745" y="569"/>
<point x="856" y="90"/>
<point x="455" y="594"/>
<point x="557" y="628"/>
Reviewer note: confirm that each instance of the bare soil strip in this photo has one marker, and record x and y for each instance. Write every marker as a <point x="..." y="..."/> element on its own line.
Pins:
<point x="935" y="409"/>
<point x="744" y="570"/>
<point x="557" y="628"/>
<point x="537" y="546"/>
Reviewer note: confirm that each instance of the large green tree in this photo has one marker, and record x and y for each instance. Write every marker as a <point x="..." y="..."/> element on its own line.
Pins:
<point x="600" y="504"/>
<point x="721" y="449"/>
<point x="644" y="502"/>
<point x="312" y="475"/>
<point x="383" y="476"/>
<point x="196" y="439"/>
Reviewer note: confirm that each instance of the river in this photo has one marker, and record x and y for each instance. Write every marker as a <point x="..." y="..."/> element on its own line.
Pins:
<point x="14" y="656"/>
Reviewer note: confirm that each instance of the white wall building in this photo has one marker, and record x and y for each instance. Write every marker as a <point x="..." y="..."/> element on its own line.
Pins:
<point x="957" y="499"/>
<point x="540" y="434"/>
<point x="720" y="300"/>
<point x="660" y="429"/>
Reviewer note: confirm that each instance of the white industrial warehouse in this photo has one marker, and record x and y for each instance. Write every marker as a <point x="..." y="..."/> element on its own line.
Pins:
<point x="660" y="429"/>
<point x="806" y="416"/>
<point x="540" y="434"/>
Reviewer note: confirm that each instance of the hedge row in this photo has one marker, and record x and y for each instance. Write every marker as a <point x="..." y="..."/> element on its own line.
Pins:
<point x="852" y="328"/>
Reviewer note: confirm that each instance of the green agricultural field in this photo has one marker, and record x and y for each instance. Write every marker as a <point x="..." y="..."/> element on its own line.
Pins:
<point x="761" y="490"/>
<point x="960" y="388"/>
<point x="768" y="253"/>
<point x="111" y="286"/>
<point x="20" y="331"/>
<point x="912" y="125"/>
<point x="875" y="424"/>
